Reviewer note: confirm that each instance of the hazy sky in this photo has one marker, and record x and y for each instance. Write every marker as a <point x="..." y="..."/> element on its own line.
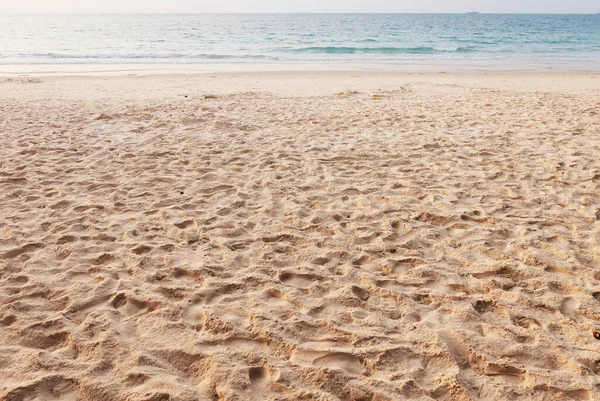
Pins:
<point x="241" y="6"/>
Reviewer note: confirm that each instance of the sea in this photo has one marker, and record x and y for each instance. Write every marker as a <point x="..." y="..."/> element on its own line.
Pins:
<point x="547" y="40"/>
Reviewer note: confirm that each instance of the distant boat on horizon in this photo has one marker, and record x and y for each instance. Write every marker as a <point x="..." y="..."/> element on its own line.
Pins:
<point x="473" y="13"/>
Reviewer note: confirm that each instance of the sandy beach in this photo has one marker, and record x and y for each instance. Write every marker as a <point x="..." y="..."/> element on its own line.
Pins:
<point x="330" y="236"/>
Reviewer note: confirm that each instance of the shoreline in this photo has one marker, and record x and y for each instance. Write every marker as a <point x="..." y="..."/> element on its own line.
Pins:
<point x="488" y="66"/>
<point x="289" y="83"/>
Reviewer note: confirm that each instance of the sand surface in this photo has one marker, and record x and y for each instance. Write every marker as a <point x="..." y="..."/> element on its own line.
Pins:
<point x="300" y="236"/>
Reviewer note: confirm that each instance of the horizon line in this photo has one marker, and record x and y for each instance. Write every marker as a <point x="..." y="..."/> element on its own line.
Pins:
<point x="288" y="13"/>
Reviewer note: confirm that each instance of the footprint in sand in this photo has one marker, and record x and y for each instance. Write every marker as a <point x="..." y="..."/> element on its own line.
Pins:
<point x="366" y="263"/>
<point x="484" y="275"/>
<point x="569" y="307"/>
<point x="274" y="295"/>
<point x="131" y="307"/>
<point x="7" y="320"/>
<point x="185" y="224"/>
<point x="360" y="293"/>
<point x="458" y="230"/>
<point x="48" y="387"/>
<point x="65" y="239"/>
<point x="84" y="208"/>
<point x="141" y="249"/>
<point x="194" y="313"/>
<point x="320" y="261"/>
<point x="186" y="278"/>
<point x="103" y="259"/>
<point x="238" y="342"/>
<point x="412" y="317"/>
<point x="47" y="341"/>
<point x="340" y="360"/>
<point x="471" y="219"/>
<point x="298" y="280"/>
<point x="393" y="285"/>
<point x="260" y="376"/>
<point x="20" y="251"/>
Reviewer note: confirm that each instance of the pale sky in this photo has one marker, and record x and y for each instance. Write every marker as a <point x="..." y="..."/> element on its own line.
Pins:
<point x="256" y="6"/>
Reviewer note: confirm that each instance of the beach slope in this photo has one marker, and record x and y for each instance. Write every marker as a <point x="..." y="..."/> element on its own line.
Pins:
<point x="300" y="236"/>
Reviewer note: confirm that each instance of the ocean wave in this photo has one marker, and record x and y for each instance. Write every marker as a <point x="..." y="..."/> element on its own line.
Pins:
<point x="354" y="50"/>
<point x="137" y="56"/>
<point x="466" y="49"/>
<point x="380" y="50"/>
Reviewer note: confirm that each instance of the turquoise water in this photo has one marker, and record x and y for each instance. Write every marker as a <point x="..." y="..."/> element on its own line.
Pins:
<point x="257" y="38"/>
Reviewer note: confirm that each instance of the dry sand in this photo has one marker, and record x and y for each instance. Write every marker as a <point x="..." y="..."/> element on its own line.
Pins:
<point x="300" y="236"/>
